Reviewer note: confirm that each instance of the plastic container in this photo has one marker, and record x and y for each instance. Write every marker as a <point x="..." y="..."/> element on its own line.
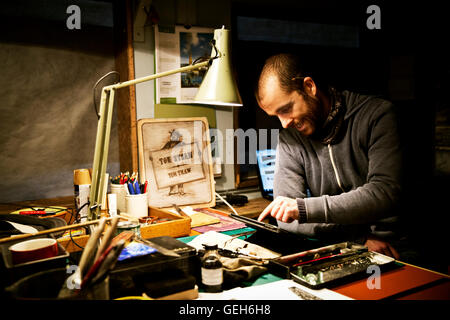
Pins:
<point x="137" y="205"/>
<point x="121" y="191"/>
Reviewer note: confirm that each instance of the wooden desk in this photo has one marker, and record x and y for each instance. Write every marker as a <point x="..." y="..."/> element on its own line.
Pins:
<point x="405" y="283"/>
<point x="67" y="202"/>
<point x="252" y="209"/>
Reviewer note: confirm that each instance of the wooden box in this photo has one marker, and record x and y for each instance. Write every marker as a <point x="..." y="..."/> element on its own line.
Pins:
<point x="178" y="226"/>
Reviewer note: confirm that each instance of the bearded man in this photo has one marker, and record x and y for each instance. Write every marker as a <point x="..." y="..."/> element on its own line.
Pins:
<point x="341" y="146"/>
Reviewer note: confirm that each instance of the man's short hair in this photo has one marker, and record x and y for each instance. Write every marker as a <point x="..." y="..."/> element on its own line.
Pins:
<point x="289" y="71"/>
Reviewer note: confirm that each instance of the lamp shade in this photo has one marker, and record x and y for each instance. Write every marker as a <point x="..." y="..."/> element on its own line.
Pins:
<point x="219" y="85"/>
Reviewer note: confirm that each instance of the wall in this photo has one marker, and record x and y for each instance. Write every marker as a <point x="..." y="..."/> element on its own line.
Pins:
<point x="48" y="124"/>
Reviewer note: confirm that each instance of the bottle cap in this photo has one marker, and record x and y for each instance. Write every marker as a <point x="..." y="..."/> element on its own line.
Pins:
<point x="210" y="246"/>
<point x="81" y="176"/>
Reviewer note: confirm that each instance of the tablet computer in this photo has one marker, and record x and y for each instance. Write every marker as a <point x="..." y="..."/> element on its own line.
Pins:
<point x="258" y="225"/>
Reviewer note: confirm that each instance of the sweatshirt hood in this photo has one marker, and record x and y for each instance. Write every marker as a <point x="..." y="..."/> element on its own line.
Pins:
<point x="354" y="101"/>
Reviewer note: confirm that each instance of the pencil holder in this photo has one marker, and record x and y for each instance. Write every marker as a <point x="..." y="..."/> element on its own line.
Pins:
<point x="99" y="291"/>
<point x="121" y="191"/>
<point x="137" y="205"/>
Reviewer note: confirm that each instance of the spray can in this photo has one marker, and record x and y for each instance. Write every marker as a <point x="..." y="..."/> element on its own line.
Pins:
<point x="82" y="187"/>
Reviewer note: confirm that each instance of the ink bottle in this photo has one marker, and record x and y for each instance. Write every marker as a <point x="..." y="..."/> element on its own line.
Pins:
<point x="212" y="271"/>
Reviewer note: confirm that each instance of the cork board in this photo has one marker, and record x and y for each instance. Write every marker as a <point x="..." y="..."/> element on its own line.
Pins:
<point x="175" y="159"/>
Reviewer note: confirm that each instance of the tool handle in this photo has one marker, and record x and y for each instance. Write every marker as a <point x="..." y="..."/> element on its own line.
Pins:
<point x="50" y="231"/>
<point x="107" y="237"/>
<point x="90" y="247"/>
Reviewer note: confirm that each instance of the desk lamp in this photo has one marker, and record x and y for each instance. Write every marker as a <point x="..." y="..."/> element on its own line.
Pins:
<point x="218" y="88"/>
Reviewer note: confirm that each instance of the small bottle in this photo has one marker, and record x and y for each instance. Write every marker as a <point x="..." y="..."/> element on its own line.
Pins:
<point x="212" y="271"/>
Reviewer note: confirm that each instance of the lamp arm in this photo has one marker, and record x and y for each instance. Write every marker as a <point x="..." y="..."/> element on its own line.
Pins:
<point x="159" y="75"/>
<point x="104" y="130"/>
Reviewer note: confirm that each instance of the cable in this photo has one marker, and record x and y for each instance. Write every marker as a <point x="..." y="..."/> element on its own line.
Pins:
<point x="77" y="217"/>
<point x="208" y="58"/>
<point x="59" y="209"/>
<point x="76" y="221"/>
<point x="72" y="217"/>
<point x="95" y="87"/>
<point x="73" y="240"/>
<point x="231" y="207"/>
<point x="200" y="59"/>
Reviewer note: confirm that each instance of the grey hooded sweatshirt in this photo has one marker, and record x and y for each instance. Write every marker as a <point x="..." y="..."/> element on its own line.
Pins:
<point x="355" y="184"/>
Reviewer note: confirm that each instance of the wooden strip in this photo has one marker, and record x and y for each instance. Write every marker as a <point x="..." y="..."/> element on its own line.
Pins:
<point x="251" y="209"/>
<point x="71" y="246"/>
<point x="126" y="97"/>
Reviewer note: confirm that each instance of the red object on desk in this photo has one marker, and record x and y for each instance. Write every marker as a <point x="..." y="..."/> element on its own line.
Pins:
<point x="31" y="212"/>
<point x="145" y="186"/>
<point x="406" y="282"/>
<point x="35" y="249"/>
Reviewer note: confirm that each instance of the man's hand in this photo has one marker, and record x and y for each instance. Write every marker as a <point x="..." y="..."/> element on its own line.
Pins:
<point x="282" y="208"/>
<point x="375" y="244"/>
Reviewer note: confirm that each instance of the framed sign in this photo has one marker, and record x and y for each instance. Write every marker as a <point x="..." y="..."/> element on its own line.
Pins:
<point x="175" y="159"/>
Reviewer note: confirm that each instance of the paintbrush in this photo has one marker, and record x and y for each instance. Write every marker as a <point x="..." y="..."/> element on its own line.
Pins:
<point x="107" y="264"/>
<point x="181" y="212"/>
<point x="107" y="237"/>
<point x="124" y="237"/>
<point x="128" y="217"/>
<point x="323" y="250"/>
<point x="76" y="278"/>
<point x="89" y="249"/>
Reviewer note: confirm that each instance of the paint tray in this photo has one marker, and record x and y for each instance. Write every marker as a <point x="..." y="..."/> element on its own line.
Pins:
<point x="330" y="265"/>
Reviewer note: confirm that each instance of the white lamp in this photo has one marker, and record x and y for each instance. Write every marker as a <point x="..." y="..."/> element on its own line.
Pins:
<point x="218" y="88"/>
